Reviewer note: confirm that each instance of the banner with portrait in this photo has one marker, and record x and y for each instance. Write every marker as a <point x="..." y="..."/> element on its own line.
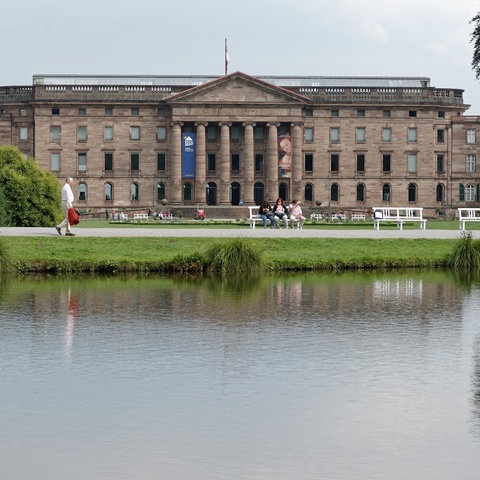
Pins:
<point x="284" y="155"/>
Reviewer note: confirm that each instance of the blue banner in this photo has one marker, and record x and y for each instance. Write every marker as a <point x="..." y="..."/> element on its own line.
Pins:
<point x="188" y="155"/>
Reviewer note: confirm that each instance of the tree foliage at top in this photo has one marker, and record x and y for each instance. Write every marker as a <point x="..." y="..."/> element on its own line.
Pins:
<point x="475" y="39"/>
<point x="31" y="196"/>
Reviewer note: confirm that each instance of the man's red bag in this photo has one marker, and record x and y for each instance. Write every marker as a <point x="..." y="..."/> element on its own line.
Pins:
<point x="73" y="216"/>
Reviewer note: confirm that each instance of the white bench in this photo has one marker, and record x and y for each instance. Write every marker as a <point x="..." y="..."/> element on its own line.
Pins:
<point x="468" y="215"/>
<point x="399" y="215"/>
<point x="254" y="216"/>
<point x="357" y="217"/>
<point x="140" y="217"/>
<point x="316" y="216"/>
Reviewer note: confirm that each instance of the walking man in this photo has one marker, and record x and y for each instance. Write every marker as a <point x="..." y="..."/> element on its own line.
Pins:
<point x="67" y="200"/>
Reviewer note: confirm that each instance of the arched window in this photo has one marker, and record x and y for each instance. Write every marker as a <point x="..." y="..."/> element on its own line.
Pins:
<point x="108" y="191"/>
<point x="160" y="191"/>
<point x="386" y="192"/>
<point x="235" y="192"/>
<point x="258" y="193"/>
<point x="134" y="192"/>
<point x="282" y="191"/>
<point x="360" y="192"/>
<point x="187" y="192"/>
<point x="211" y="193"/>
<point x="412" y="192"/>
<point x="82" y="192"/>
<point x="334" y="192"/>
<point x="308" y="194"/>
<point x="440" y="193"/>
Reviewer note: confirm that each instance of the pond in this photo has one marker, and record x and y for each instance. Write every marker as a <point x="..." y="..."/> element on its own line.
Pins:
<point x="351" y="376"/>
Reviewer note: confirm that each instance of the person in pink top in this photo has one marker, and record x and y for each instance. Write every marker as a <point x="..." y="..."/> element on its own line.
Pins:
<point x="296" y="214"/>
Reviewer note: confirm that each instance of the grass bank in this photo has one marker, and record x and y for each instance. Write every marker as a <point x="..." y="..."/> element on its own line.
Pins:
<point x="112" y="255"/>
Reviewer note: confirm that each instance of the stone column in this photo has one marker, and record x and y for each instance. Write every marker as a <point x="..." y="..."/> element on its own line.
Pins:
<point x="224" y="197"/>
<point x="271" y="167"/>
<point x="176" y="187"/>
<point x="249" y="164"/>
<point x="297" y="161"/>
<point x="200" y="163"/>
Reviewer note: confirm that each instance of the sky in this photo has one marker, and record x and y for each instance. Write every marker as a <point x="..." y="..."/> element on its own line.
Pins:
<point x="407" y="38"/>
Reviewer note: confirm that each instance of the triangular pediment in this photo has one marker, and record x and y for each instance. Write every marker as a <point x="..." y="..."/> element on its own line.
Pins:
<point x="236" y="88"/>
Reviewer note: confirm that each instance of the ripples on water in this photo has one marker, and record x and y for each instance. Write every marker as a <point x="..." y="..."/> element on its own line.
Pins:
<point x="314" y="377"/>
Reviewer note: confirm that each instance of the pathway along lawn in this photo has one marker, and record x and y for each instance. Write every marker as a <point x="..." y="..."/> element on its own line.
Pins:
<point x="45" y="254"/>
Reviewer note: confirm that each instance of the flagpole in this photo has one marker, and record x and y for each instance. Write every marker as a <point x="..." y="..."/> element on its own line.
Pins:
<point x="226" y="58"/>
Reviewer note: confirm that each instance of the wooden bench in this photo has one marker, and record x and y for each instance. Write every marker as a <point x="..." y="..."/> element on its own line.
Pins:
<point x="399" y="215"/>
<point x="140" y="217"/>
<point x="467" y="215"/>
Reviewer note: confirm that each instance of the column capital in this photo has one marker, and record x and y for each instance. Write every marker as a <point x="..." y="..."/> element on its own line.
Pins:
<point x="249" y="124"/>
<point x="198" y="124"/>
<point x="176" y="123"/>
<point x="273" y="124"/>
<point x="225" y="124"/>
<point x="297" y="124"/>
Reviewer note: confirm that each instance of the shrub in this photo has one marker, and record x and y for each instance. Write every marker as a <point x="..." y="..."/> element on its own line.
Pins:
<point x="466" y="253"/>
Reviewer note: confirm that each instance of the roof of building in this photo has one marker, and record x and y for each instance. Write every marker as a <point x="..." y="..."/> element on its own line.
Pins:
<point x="194" y="80"/>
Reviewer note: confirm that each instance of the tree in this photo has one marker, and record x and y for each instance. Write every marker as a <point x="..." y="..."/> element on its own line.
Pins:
<point x="475" y="39"/>
<point x="31" y="195"/>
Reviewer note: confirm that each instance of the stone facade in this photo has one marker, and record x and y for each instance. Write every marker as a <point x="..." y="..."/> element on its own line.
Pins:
<point x="355" y="142"/>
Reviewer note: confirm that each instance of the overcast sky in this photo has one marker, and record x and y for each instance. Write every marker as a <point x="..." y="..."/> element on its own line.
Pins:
<point x="426" y="38"/>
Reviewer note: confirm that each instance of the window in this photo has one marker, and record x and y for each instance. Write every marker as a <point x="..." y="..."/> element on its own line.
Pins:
<point x="360" y="112"/>
<point x="108" y="192"/>
<point x="440" y="163"/>
<point x="134" y="133"/>
<point x="412" y="113"/>
<point x="211" y="133"/>
<point x="187" y="192"/>
<point x="412" y="192"/>
<point x="334" y="162"/>
<point x="470" y="193"/>
<point x="440" y="135"/>
<point x="412" y="135"/>
<point x="412" y="163"/>
<point x="161" y="161"/>
<point x="360" y="167"/>
<point x="440" y="193"/>
<point x="334" y="135"/>
<point x="23" y="112"/>
<point x="360" y="134"/>
<point x="441" y="114"/>
<point x="82" y="112"/>
<point x="387" y="113"/>
<point x="134" y="162"/>
<point x="135" y="111"/>
<point x="235" y="162"/>
<point x="81" y="133"/>
<point x="211" y="162"/>
<point x="335" y="113"/>
<point x="108" y="161"/>
<point x="309" y="192"/>
<point x="259" y="162"/>
<point x="308" y="162"/>
<point x="108" y="134"/>
<point x="360" y="192"/>
<point x="386" y="163"/>
<point x="470" y="163"/>
<point x="386" y="192"/>
<point x="334" y="192"/>
<point x="162" y="111"/>
<point x="55" y="131"/>
<point x="471" y="135"/>
<point x="308" y="112"/>
<point x="82" y="192"/>
<point x="386" y="134"/>
<point x="161" y="134"/>
<point x="82" y="162"/>
<point x="308" y="134"/>
<point x="134" y="192"/>
<point x="23" y="134"/>
<point x="108" y="111"/>
<point x="55" y="162"/>
<point x="235" y="133"/>
<point x="55" y="111"/>
<point x="160" y="191"/>
<point x="259" y="133"/>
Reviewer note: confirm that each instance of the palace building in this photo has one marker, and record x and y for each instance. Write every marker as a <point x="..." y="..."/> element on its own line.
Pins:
<point x="352" y="143"/>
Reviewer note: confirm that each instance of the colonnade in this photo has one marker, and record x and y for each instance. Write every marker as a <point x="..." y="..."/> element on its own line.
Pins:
<point x="222" y="176"/>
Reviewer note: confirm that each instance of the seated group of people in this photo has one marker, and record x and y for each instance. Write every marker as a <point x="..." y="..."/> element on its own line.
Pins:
<point x="281" y="213"/>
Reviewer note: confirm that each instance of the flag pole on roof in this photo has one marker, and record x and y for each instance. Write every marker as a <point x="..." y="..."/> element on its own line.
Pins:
<point x="226" y="58"/>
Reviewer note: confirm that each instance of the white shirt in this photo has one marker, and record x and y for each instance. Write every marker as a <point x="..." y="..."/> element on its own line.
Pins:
<point x="67" y="194"/>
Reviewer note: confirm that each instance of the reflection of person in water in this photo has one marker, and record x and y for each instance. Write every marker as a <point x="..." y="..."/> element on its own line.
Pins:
<point x="285" y="156"/>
